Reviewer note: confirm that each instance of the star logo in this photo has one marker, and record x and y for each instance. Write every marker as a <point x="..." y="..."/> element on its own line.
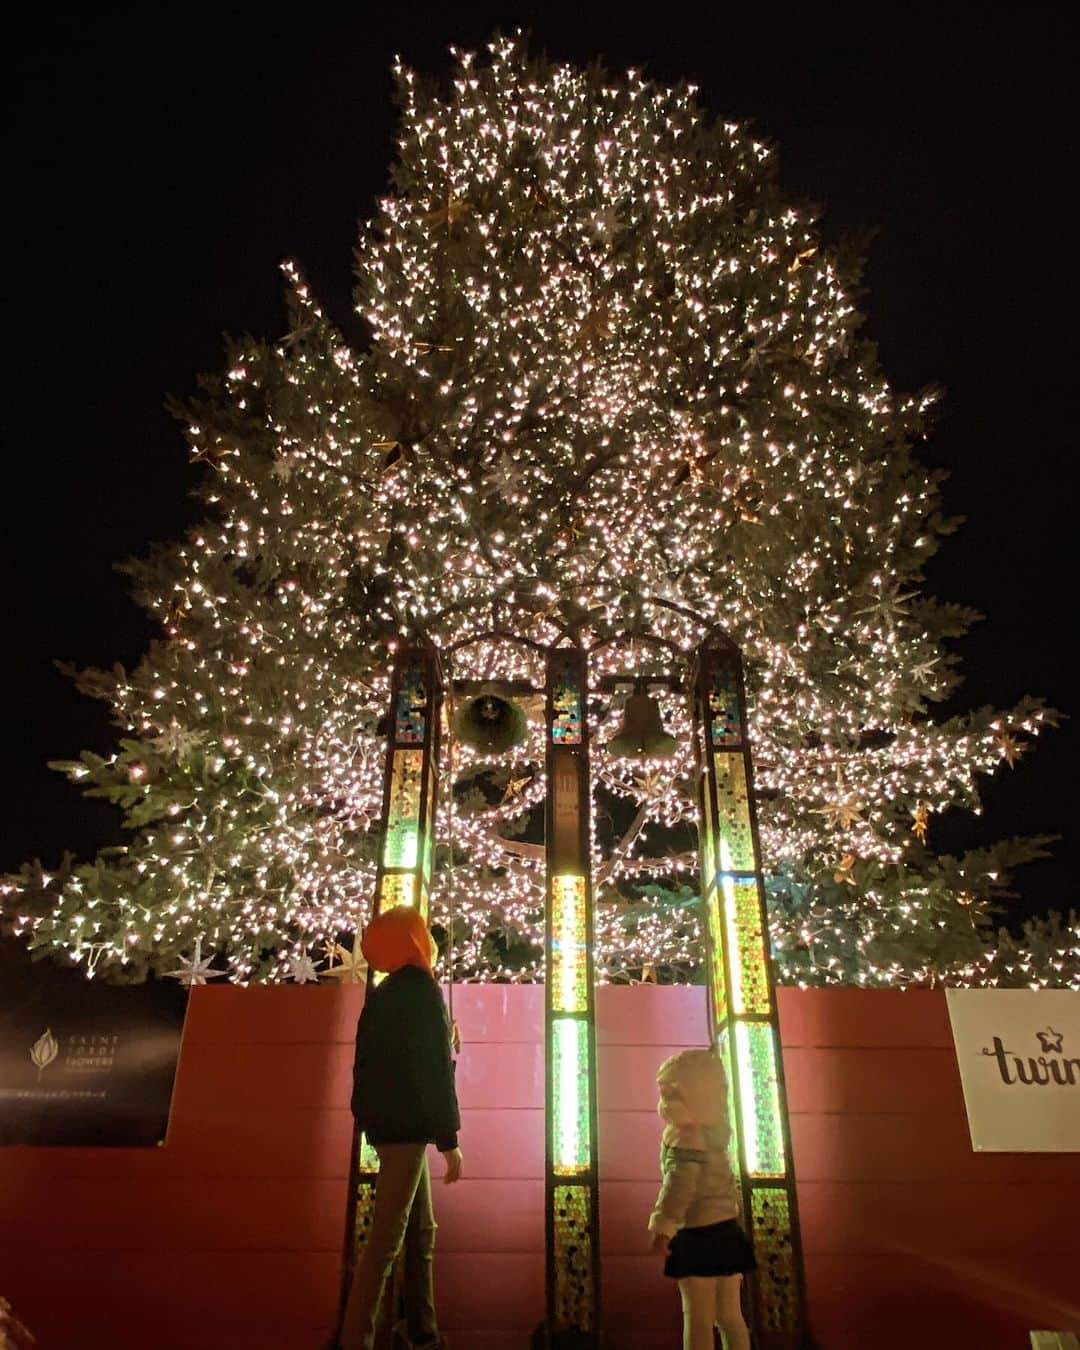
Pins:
<point x="1050" y="1040"/>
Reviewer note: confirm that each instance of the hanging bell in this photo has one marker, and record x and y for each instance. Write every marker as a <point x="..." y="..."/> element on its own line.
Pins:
<point x="490" y="722"/>
<point x="642" y="735"/>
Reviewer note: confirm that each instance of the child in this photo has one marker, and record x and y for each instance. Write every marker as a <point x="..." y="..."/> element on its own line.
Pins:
<point x="403" y="1099"/>
<point x="695" y="1216"/>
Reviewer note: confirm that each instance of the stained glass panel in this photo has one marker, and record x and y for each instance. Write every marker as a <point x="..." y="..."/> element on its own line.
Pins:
<point x="570" y="1091"/>
<point x="410" y="716"/>
<point x="566" y="705"/>
<point x="746" y="944"/>
<point x="365" y="1211"/>
<point x="573" y="1258"/>
<point x="733" y="812"/>
<point x="723" y="1051"/>
<point x="368" y="1158"/>
<point x="568" y="955"/>
<point x="759" y="1099"/>
<point x="403" y="823"/>
<point x="398" y="888"/>
<point x="724" y="720"/>
<point x="716" y="960"/>
<point x="775" y="1283"/>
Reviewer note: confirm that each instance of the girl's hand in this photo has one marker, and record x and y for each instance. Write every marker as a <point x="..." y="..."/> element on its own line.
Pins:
<point x="455" y="1038"/>
<point x="659" y="1242"/>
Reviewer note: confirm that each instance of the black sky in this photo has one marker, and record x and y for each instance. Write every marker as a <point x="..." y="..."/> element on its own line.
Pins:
<point x="162" y="161"/>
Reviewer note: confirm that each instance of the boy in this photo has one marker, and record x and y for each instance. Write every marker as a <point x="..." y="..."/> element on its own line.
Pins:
<point x="403" y="1099"/>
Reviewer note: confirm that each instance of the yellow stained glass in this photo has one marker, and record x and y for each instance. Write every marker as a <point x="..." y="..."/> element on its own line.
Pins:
<point x="733" y="813"/>
<point x="568" y="955"/>
<point x="746" y="946"/>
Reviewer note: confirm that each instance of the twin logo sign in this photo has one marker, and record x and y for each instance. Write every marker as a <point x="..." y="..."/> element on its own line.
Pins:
<point x="1018" y="1051"/>
<point x="1052" y="1066"/>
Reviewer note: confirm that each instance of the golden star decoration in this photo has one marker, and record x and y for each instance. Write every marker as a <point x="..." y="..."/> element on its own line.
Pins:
<point x="845" y="810"/>
<point x="843" y="874"/>
<point x="596" y="324"/>
<point x="1011" y="748"/>
<point x="801" y="259"/>
<point x="921" y="815"/>
<point x="455" y="209"/>
<point x="514" y="788"/>
<point x="349" y="969"/>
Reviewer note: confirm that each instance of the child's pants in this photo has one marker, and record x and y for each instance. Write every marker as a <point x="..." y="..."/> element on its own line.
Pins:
<point x="403" y="1216"/>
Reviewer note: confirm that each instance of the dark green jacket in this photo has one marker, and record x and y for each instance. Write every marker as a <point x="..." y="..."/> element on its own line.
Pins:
<point x="403" y="1077"/>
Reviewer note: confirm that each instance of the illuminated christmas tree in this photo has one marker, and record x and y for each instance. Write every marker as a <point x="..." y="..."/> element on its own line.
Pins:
<point x="613" y="382"/>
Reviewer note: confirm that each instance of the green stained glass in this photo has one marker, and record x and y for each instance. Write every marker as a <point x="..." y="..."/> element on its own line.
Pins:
<point x="733" y="813"/>
<point x="776" y="1287"/>
<point x="568" y="954"/>
<point x="573" y="1258"/>
<point x="429" y="829"/>
<point x="710" y="862"/>
<point x="403" y="815"/>
<point x="570" y="1096"/>
<point x="716" y="960"/>
<point x="759" y="1099"/>
<point x="368" y="1158"/>
<point x="746" y="944"/>
<point x="723" y="1053"/>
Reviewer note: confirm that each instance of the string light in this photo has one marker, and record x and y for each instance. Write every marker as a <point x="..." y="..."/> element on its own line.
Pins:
<point x="613" y="380"/>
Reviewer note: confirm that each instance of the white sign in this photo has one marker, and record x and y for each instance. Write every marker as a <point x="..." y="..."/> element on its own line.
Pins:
<point x="1019" y="1057"/>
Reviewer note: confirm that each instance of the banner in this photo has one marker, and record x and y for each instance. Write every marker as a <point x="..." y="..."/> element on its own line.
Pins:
<point x="1019" y="1057"/>
<point x="81" y="1062"/>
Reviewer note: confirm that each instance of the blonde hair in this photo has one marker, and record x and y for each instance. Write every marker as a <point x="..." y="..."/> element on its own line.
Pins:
<point x="699" y="1077"/>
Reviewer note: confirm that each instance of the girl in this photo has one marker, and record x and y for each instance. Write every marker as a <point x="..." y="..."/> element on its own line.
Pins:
<point x="695" y="1216"/>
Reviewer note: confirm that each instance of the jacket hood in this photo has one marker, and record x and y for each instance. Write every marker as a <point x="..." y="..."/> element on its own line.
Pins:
<point x="397" y="937"/>
<point x="693" y="1089"/>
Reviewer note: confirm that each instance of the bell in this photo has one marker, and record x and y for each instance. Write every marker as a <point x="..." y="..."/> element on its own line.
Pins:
<point x="642" y="735"/>
<point x="490" y="722"/>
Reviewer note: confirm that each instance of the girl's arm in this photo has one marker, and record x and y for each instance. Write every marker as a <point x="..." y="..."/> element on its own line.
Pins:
<point x="682" y="1171"/>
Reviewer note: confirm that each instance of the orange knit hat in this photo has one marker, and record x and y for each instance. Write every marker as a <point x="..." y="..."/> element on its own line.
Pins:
<point x="397" y="937"/>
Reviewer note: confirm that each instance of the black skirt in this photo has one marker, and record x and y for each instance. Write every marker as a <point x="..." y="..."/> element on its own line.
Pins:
<point x="715" y="1249"/>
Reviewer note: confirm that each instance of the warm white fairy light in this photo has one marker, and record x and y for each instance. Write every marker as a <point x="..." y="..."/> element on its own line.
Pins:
<point x="614" y="381"/>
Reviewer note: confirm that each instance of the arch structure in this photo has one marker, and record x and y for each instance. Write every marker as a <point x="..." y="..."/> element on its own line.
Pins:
<point x="741" y="994"/>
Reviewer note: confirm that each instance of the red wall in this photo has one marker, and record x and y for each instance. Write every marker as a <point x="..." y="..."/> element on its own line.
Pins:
<point x="230" y="1235"/>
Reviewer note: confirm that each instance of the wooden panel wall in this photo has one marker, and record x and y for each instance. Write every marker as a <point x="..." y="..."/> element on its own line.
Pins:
<point x="229" y="1238"/>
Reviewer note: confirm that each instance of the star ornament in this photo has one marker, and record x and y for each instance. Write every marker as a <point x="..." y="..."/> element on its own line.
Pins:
<point x="197" y="970"/>
<point x="843" y="874"/>
<point x="456" y="208"/>
<point x="514" y="788"/>
<point x="845" y="810"/>
<point x="1011" y="748"/>
<point x="302" y="969"/>
<point x="343" y="966"/>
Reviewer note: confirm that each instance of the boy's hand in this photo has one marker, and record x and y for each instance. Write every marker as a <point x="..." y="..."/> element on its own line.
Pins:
<point x="455" y="1038"/>
<point x="659" y="1242"/>
<point x="12" y="1332"/>
<point x="453" y="1160"/>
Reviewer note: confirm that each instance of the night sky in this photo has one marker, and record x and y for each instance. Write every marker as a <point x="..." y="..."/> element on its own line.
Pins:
<point x="162" y="161"/>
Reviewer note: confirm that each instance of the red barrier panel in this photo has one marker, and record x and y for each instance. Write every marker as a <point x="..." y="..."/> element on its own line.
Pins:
<point x="229" y="1237"/>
